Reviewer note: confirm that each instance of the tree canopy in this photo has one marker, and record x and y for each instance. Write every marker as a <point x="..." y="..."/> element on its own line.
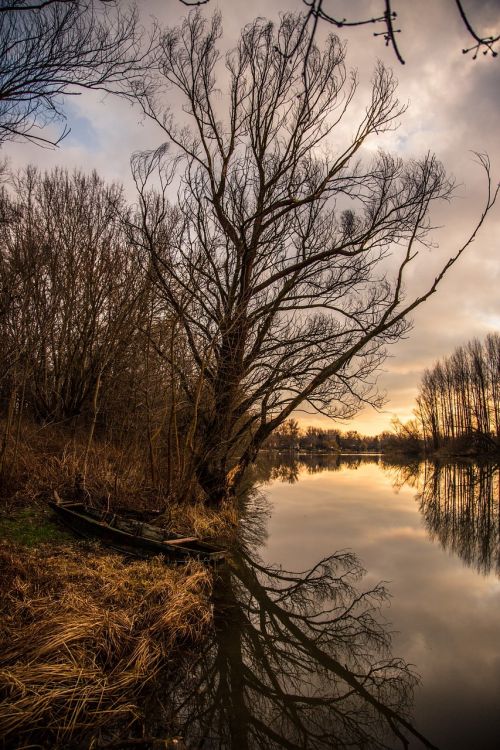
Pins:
<point x="60" y="47"/>
<point x="288" y="250"/>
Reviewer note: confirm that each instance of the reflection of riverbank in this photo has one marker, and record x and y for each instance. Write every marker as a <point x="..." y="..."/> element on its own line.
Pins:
<point x="459" y="501"/>
<point x="460" y="504"/>
<point x="286" y="466"/>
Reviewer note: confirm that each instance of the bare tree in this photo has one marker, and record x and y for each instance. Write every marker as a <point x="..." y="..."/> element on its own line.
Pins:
<point x="51" y="49"/>
<point x="280" y="267"/>
<point x="88" y="345"/>
<point x="75" y="290"/>
<point x="458" y="401"/>
<point x="288" y="434"/>
<point x="405" y="438"/>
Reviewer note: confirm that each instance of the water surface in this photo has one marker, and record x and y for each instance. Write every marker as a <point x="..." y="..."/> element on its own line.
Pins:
<point x="432" y="532"/>
<point x="306" y="649"/>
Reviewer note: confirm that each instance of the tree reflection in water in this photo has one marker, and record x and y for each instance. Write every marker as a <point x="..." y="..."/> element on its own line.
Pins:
<point x="460" y="504"/>
<point x="459" y="501"/>
<point x="286" y="467"/>
<point x="295" y="660"/>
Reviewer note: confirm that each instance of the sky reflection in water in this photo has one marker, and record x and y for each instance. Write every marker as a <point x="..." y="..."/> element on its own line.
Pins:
<point x="433" y="535"/>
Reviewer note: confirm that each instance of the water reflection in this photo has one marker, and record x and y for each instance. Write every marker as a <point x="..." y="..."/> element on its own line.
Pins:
<point x="458" y="501"/>
<point x="295" y="660"/>
<point x="287" y="467"/>
<point x="460" y="504"/>
<point x="446" y="613"/>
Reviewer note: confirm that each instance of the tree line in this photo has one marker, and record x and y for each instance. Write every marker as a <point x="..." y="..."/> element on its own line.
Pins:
<point x="291" y="437"/>
<point x="459" y="398"/>
<point x="457" y="408"/>
<point x="261" y="268"/>
<point x="86" y="339"/>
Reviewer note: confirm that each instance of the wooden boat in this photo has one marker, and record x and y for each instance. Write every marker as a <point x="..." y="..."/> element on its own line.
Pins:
<point x="128" y="534"/>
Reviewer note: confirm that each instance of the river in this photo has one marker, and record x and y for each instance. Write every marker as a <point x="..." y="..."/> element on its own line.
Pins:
<point x="301" y="658"/>
<point x="431" y="532"/>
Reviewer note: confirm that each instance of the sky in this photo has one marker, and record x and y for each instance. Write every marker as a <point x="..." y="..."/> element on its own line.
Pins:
<point x="453" y="111"/>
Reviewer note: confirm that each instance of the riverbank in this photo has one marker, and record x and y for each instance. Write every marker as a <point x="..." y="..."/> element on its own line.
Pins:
<point x="84" y="632"/>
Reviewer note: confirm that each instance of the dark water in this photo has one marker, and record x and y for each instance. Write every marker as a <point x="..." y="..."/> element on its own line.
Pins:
<point x="304" y="659"/>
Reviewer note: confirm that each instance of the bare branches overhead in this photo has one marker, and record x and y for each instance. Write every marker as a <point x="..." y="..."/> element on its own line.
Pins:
<point x="386" y="20"/>
<point x="51" y="49"/>
<point x="484" y="44"/>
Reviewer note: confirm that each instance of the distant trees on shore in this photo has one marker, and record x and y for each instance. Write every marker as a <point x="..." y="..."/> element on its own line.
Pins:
<point x="458" y="410"/>
<point x="289" y="437"/>
<point x="459" y="398"/>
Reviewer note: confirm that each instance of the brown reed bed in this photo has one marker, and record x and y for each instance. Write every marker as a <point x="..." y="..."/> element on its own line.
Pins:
<point x="47" y="457"/>
<point x="202" y="521"/>
<point x="83" y="633"/>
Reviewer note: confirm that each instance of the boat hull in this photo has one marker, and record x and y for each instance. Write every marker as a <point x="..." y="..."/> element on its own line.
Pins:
<point x="175" y="548"/>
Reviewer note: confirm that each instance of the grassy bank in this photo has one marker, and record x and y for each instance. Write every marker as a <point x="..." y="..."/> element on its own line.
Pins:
<point x="84" y="631"/>
<point x="41" y="459"/>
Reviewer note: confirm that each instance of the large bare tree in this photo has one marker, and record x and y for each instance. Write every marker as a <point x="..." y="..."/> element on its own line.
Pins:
<point x="287" y="263"/>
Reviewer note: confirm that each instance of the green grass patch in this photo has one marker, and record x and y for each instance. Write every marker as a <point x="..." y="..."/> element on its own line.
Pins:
<point x="31" y="527"/>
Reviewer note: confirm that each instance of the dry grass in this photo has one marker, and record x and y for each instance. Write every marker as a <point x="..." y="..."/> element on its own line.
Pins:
<point x="208" y="523"/>
<point x="50" y="457"/>
<point x="82" y="634"/>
